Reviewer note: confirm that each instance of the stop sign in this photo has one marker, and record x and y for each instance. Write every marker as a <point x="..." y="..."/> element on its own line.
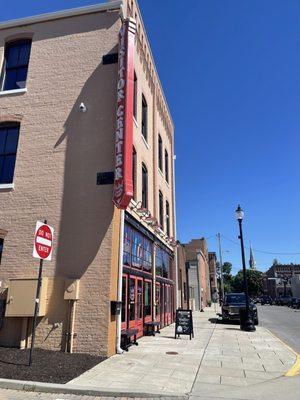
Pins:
<point x="43" y="239"/>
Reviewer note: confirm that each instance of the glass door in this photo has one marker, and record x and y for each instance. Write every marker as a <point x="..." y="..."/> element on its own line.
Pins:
<point x="148" y="300"/>
<point x="157" y="303"/>
<point x="136" y="304"/>
<point x="125" y="305"/>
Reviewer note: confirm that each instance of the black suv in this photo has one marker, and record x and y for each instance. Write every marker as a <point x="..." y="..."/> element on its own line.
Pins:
<point x="266" y="299"/>
<point x="232" y="304"/>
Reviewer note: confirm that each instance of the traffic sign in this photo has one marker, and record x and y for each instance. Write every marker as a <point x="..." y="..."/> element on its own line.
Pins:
<point x="43" y="241"/>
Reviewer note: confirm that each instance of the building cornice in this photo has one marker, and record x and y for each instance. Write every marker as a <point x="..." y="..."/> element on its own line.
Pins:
<point x="111" y="6"/>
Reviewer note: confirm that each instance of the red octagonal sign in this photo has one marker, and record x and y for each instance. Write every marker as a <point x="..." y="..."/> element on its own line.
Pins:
<point x="43" y="239"/>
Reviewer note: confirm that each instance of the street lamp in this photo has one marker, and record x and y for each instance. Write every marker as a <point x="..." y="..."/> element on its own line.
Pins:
<point x="248" y="323"/>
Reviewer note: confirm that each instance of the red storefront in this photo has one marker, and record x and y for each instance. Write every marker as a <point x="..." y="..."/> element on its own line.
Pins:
<point x="147" y="285"/>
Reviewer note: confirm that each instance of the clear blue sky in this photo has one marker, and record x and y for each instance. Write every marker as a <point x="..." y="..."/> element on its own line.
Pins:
<point x="231" y="74"/>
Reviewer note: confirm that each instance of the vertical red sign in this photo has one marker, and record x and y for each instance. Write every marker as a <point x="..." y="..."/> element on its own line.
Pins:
<point x="123" y="185"/>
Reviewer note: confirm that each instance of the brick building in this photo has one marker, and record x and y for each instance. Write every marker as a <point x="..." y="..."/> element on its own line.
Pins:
<point x="64" y="157"/>
<point x="278" y="279"/>
<point x="183" y="284"/>
<point x="212" y="262"/>
<point x="196" y="257"/>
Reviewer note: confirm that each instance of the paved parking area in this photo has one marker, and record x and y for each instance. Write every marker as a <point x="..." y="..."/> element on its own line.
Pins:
<point x="219" y="355"/>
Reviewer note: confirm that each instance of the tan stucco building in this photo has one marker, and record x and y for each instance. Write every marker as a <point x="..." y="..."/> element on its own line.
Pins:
<point x="58" y="104"/>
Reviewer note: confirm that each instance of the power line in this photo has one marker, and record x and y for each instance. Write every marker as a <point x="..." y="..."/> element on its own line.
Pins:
<point x="262" y="251"/>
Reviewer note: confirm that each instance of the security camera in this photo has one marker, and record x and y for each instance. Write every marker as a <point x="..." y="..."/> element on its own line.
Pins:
<point x="82" y="107"/>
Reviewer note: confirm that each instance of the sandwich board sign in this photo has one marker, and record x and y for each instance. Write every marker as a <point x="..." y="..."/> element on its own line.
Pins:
<point x="184" y="323"/>
<point x="43" y="241"/>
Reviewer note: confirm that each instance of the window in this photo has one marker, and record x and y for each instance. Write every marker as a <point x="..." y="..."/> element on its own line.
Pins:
<point x="1" y="248"/>
<point x="147" y="255"/>
<point x="161" y="210"/>
<point x="168" y="218"/>
<point x="144" y="118"/>
<point x="162" y="263"/>
<point x="15" y="68"/>
<point x="160" y="153"/>
<point x="144" y="186"/>
<point x="158" y="261"/>
<point x="134" y="172"/>
<point x="135" y="96"/>
<point x="9" y="137"/>
<point x="167" y="165"/>
<point x="127" y="245"/>
<point x="147" y="307"/>
<point x="137" y="250"/>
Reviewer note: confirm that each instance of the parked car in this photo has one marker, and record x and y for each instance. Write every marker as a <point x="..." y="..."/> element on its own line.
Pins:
<point x="232" y="304"/>
<point x="295" y="303"/>
<point x="266" y="299"/>
<point x="284" y="300"/>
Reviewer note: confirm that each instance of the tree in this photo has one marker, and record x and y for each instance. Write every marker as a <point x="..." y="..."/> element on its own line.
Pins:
<point x="255" y="282"/>
<point x="227" y="276"/>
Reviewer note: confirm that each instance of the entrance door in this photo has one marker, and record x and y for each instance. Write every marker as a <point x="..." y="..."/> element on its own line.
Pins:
<point x="148" y="300"/>
<point x="167" y="304"/>
<point x="158" y="303"/>
<point x="125" y="308"/>
<point x="136" y="304"/>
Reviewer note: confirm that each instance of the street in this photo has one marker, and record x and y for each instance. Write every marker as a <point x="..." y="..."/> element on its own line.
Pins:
<point x="283" y="322"/>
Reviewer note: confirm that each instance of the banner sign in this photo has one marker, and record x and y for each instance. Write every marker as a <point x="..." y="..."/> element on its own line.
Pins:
<point x="184" y="323"/>
<point x="123" y="185"/>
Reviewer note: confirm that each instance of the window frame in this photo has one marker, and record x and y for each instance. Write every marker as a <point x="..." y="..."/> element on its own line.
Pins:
<point x="160" y="153"/>
<point x="161" y="209"/>
<point x="135" y="94"/>
<point x="168" y="218"/>
<point x="144" y="118"/>
<point x="1" y="248"/>
<point x="134" y="166"/>
<point x="6" y="126"/>
<point x="18" y="67"/>
<point x="167" y="165"/>
<point x="145" y="182"/>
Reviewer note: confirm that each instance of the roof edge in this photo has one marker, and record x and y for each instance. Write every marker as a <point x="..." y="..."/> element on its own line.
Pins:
<point x="113" y="5"/>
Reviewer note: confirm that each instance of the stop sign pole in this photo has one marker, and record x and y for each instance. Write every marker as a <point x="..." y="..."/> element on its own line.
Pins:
<point x="43" y="252"/>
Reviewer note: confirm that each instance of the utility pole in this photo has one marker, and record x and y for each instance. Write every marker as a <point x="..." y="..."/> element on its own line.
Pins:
<point x="221" y="266"/>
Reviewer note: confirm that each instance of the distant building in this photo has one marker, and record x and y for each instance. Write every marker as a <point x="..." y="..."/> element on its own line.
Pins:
<point x="212" y="262"/>
<point x="252" y="262"/>
<point x="278" y="280"/>
<point x="183" y="295"/>
<point x="196" y="257"/>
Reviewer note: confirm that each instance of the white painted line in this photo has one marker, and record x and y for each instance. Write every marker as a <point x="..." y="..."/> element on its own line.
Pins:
<point x="44" y="241"/>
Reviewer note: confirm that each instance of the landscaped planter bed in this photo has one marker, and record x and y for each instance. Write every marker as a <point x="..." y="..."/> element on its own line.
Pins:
<point x="47" y="366"/>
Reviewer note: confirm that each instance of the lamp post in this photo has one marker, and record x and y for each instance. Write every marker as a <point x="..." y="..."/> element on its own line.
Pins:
<point x="248" y="324"/>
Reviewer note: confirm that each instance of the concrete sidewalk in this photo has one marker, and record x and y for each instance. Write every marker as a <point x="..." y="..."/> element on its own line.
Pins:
<point x="219" y="357"/>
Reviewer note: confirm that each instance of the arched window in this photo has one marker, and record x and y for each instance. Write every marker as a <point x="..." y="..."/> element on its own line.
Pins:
<point x="168" y="218"/>
<point x="16" y="60"/>
<point x="9" y="137"/>
<point x="144" y="186"/>
<point x="144" y="118"/>
<point x="161" y="210"/>
<point x="135" y="96"/>
<point x="160" y="153"/>
<point x="167" y="165"/>
<point x="134" y="172"/>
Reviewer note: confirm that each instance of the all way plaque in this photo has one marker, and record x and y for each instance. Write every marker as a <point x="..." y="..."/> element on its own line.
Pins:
<point x="184" y="323"/>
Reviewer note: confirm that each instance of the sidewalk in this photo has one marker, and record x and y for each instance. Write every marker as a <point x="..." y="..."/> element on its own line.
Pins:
<point x="219" y="357"/>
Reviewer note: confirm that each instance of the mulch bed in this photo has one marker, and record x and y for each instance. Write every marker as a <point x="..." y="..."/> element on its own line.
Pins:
<point x="47" y="366"/>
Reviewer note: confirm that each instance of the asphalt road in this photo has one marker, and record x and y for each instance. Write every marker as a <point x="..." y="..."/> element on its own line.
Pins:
<point x="283" y="322"/>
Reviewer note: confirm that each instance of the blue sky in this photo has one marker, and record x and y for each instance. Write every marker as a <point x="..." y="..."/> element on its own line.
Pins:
<point x="231" y="74"/>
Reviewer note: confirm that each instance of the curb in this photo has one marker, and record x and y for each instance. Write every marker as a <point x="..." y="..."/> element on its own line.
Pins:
<point x="295" y="369"/>
<point x="41" y="387"/>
